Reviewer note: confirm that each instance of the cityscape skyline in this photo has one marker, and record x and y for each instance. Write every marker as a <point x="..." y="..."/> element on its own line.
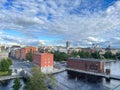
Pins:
<point x="53" y="22"/>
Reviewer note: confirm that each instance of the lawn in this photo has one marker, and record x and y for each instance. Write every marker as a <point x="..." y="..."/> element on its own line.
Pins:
<point x="5" y="73"/>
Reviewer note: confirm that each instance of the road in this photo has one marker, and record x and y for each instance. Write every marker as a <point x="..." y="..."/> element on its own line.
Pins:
<point x="20" y="65"/>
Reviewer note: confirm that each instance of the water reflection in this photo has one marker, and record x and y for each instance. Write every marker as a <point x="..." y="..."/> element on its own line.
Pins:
<point x="7" y="85"/>
<point x="87" y="82"/>
<point x="114" y="67"/>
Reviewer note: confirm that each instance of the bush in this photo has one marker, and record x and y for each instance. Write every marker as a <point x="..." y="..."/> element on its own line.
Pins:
<point x="4" y="67"/>
<point x="9" y="72"/>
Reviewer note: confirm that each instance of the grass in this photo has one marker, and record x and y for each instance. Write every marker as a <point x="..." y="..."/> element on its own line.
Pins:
<point x="5" y="73"/>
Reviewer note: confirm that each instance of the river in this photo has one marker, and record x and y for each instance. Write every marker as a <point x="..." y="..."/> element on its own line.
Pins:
<point x="7" y="85"/>
<point x="80" y="84"/>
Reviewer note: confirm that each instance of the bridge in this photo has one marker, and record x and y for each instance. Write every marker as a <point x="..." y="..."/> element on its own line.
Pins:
<point x="10" y="77"/>
<point x="117" y="77"/>
<point x="20" y="74"/>
<point x="58" y="71"/>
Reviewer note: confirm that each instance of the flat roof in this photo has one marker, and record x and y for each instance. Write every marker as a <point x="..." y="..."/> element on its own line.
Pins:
<point x="41" y="53"/>
<point x="87" y="59"/>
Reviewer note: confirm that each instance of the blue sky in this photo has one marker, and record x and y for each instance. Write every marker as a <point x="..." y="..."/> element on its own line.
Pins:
<point x="53" y="22"/>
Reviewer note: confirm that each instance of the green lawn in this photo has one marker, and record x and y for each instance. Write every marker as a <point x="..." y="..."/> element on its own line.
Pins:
<point x="5" y="73"/>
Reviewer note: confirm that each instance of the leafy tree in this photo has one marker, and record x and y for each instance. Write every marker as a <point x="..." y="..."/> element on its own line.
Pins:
<point x="96" y="55"/>
<point x="51" y="81"/>
<point x="36" y="81"/>
<point x="59" y="56"/>
<point x="9" y="61"/>
<point x="117" y="56"/>
<point x="109" y="55"/>
<point x="29" y="56"/>
<point x="4" y="65"/>
<point x="74" y="54"/>
<point x="17" y="84"/>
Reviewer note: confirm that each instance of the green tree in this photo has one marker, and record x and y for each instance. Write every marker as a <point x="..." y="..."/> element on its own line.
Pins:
<point x="17" y="84"/>
<point x="74" y="54"/>
<point x="36" y="81"/>
<point x="59" y="56"/>
<point x="96" y="55"/>
<point x="29" y="56"/>
<point x="4" y="65"/>
<point x="9" y="61"/>
<point x="117" y="56"/>
<point x="109" y="55"/>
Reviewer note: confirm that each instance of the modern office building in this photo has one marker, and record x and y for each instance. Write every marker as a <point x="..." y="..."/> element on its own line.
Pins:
<point x="67" y="45"/>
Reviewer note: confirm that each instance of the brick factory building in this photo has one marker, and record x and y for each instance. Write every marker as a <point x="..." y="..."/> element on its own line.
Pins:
<point x="45" y="61"/>
<point x="86" y="64"/>
<point x="25" y="51"/>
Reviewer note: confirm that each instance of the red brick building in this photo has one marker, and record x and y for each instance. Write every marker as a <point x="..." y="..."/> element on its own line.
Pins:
<point x="86" y="65"/>
<point x="25" y="51"/>
<point x="45" y="61"/>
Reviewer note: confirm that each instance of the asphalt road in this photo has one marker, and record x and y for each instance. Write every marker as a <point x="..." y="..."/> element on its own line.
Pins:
<point x="21" y="64"/>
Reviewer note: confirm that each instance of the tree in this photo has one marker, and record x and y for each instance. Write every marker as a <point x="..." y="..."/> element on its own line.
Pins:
<point x="4" y="65"/>
<point x="17" y="84"/>
<point x="109" y="55"/>
<point x="36" y="81"/>
<point x="96" y="55"/>
<point x="59" y="56"/>
<point x="74" y="54"/>
<point x="29" y="56"/>
<point x="9" y="61"/>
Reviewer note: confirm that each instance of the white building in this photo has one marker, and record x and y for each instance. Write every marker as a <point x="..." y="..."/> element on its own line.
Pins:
<point x="4" y="55"/>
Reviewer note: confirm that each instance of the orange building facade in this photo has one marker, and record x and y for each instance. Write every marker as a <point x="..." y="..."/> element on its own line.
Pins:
<point x="45" y="61"/>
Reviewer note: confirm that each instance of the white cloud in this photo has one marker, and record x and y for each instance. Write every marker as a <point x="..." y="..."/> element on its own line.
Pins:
<point x="31" y="19"/>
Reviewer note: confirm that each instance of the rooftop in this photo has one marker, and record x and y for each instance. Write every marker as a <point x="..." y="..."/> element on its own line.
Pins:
<point x="42" y="53"/>
<point x="88" y="59"/>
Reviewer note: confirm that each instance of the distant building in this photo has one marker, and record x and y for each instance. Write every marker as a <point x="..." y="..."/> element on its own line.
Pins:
<point x="12" y="50"/>
<point x="67" y="45"/>
<point x="87" y="50"/>
<point x="110" y="49"/>
<point x="17" y="54"/>
<point x="91" y="65"/>
<point x="3" y="55"/>
<point x="44" y="61"/>
<point x="2" y="48"/>
<point x="25" y="51"/>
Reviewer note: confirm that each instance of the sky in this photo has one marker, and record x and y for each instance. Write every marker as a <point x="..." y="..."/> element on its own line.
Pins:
<point x="53" y="22"/>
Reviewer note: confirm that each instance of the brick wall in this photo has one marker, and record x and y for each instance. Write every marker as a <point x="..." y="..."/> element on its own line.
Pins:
<point x="26" y="50"/>
<point x="44" y="61"/>
<point x="87" y="65"/>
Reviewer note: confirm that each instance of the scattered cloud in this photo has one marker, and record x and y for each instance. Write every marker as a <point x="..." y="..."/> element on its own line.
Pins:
<point x="75" y="20"/>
